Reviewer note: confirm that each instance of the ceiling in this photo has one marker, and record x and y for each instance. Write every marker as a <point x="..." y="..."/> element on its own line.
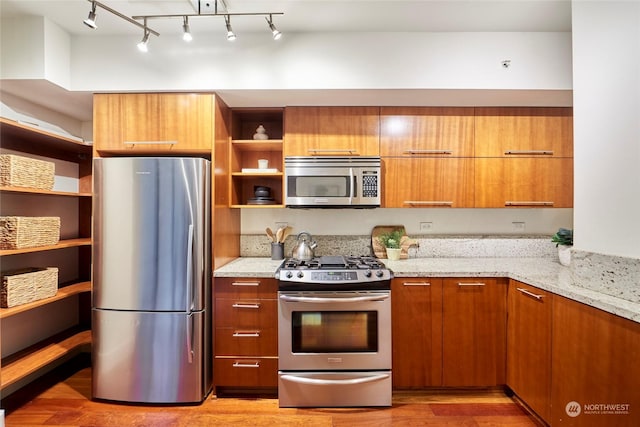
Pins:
<point x="299" y="16"/>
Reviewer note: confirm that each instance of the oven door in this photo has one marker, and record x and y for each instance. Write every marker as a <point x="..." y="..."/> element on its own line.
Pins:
<point x="334" y="331"/>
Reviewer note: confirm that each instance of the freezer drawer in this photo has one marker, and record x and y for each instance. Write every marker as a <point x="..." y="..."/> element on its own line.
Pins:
<point x="150" y="357"/>
<point x="334" y="389"/>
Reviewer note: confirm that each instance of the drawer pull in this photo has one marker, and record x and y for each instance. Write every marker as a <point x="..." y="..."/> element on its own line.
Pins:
<point x="471" y="284"/>
<point x="241" y="305"/>
<point x="256" y="283"/>
<point x="150" y="142"/>
<point x="252" y="334"/>
<point x="416" y="284"/>
<point x="530" y="152"/>
<point x="530" y="203"/>
<point x="246" y="365"/>
<point x="428" y="152"/>
<point x="428" y="202"/>
<point x="531" y="294"/>
<point x="345" y="151"/>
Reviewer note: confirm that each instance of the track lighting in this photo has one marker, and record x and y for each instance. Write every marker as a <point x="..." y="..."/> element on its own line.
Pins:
<point x="274" y="31"/>
<point x="91" y="19"/>
<point x="142" y="45"/>
<point x="230" y="34"/>
<point x="186" y="36"/>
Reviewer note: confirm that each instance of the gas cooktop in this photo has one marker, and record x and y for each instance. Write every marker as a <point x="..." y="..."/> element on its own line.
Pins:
<point x="334" y="273"/>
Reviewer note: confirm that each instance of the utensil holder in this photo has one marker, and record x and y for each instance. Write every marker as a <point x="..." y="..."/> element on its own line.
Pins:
<point x="277" y="251"/>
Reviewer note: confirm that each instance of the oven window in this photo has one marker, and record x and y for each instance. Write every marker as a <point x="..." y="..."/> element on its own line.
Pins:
<point x="334" y="331"/>
<point x="318" y="186"/>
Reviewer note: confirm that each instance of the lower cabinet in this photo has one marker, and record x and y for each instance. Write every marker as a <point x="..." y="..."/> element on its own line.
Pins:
<point x="595" y="366"/>
<point x="529" y="346"/>
<point x="416" y="307"/>
<point x="474" y="326"/>
<point x="246" y="334"/>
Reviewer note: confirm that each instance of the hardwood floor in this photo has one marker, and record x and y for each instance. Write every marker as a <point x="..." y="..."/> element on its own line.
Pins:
<point x="63" y="399"/>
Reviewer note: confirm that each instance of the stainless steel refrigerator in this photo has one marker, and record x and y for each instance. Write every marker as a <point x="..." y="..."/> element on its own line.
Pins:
<point x="151" y="299"/>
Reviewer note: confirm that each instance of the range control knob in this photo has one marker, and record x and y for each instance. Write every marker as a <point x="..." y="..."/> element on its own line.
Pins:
<point x="367" y="273"/>
<point x="300" y="274"/>
<point x="379" y="273"/>
<point x="289" y="275"/>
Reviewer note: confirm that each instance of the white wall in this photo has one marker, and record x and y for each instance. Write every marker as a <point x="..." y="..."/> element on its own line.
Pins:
<point x="606" y="55"/>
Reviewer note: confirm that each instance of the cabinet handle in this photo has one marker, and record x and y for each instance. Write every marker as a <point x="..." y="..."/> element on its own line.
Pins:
<point x="416" y="283"/>
<point x="531" y="294"/>
<point x="428" y="203"/>
<point x="242" y="305"/>
<point x="530" y="152"/>
<point x="529" y="203"/>
<point x="246" y="365"/>
<point x="346" y="151"/>
<point x="428" y="152"/>
<point x="252" y="334"/>
<point x="150" y="142"/>
<point x="471" y="284"/>
<point x="257" y="283"/>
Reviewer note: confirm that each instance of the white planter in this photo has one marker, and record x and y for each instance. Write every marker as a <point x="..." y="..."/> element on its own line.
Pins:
<point x="564" y="255"/>
<point x="393" y="254"/>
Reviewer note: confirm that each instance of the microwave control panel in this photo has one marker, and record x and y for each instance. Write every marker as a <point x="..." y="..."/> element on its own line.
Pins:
<point x="369" y="184"/>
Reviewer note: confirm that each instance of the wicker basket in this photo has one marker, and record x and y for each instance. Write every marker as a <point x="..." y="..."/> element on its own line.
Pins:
<point x="19" y="171"/>
<point x="28" y="285"/>
<point x="17" y="232"/>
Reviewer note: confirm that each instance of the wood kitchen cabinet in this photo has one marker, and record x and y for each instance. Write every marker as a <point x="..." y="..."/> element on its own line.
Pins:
<point x="246" y="334"/>
<point x="474" y="323"/>
<point x="595" y="358"/>
<point x="332" y="131"/>
<point x="426" y="131"/>
<point x="58" y="327"/>
<point x="181" y="123"/>
<point x="426" y="182"/>
<point x="529" y="346"/>
<point x="416" y="310"/>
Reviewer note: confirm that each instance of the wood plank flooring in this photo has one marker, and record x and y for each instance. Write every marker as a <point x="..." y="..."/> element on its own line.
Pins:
<point x="63" y="399"/>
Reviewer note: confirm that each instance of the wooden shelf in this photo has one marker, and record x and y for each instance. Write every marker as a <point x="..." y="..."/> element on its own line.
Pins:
<point x="63" y="292"/>
<point x="62" y="244"/>
<point x="21" y="190"/>
<point x="257" y="144"/>
<point x="255" y="174"/>
<point x="30" y="361"/>
<point x="258" y="206"/>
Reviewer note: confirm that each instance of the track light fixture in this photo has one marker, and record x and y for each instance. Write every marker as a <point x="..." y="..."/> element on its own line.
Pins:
<point x="186" y="35"/>
<point x="231" y="36"/>
<point x="274" y="31"/>
<point x="91" y="19"/>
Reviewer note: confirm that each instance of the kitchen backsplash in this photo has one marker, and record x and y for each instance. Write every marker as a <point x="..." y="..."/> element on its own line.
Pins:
<point x="428" y="246"/>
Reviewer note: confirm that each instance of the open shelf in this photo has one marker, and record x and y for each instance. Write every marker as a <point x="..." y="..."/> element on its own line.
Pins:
<point x="62" y="244"/>
<point x="21" y="190"/>
<point x="29" y="362"/>
<point x="63" y="292"/>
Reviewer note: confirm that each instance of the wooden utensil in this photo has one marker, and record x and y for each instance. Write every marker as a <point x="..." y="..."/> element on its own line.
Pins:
<point x="279" y="234"/>
<point x="270" y="234"/>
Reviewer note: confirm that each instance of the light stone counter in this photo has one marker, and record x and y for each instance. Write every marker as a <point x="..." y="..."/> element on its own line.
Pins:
<point x="543" y="273"/>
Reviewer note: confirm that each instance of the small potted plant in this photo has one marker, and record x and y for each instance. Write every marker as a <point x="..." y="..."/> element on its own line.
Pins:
<point x="391" y="241"/>
<point x="564" y="241"/>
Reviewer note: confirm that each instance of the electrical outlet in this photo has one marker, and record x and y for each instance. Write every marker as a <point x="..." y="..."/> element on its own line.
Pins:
<point x="281" y="224"/>
<point x="518" y="225"/>
<point x="426" y="226"/>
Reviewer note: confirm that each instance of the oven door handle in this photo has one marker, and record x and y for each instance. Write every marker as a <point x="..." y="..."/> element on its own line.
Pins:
<point x="303" y="380"/>
<point x="352" y="186"/>
<point x="322" y="300"/>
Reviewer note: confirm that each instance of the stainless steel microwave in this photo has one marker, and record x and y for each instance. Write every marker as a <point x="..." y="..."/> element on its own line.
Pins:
<point x="332" y="182"/>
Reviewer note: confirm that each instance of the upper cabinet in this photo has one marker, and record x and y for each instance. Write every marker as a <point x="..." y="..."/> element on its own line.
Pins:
<point x="154" y="123"/>
<point x="426" y="131"/>
<point x="524" y="132"/>
<point x="332" y="131"/>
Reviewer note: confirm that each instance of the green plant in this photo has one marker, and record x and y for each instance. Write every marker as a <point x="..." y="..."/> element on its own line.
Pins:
<point x="563" y="237"/>
<point x="391" y="239"/>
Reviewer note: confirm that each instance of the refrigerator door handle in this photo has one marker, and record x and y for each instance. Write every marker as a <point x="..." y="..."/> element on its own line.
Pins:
<point x="190" y="290"/>
<point x="190" y="338"/>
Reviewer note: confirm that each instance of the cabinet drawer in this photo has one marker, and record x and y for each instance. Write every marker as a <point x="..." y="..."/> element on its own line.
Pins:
<point x="246" y="313"/>
<point x="245" y="287"/>
<point x="246" y="341"/>
<point x="246" y="372"/>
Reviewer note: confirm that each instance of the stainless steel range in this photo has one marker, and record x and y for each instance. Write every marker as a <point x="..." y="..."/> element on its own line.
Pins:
<point x="334" y="332"/>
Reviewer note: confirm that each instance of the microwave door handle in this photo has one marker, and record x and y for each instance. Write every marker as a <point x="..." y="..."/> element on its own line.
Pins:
<point x="351" y="186"/>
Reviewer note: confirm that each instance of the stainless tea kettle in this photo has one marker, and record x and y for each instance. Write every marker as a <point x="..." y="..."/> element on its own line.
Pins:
<point x="304" y="248"/>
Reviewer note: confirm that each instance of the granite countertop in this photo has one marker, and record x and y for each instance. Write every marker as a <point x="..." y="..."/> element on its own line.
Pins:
<point x="540" y="272"/>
